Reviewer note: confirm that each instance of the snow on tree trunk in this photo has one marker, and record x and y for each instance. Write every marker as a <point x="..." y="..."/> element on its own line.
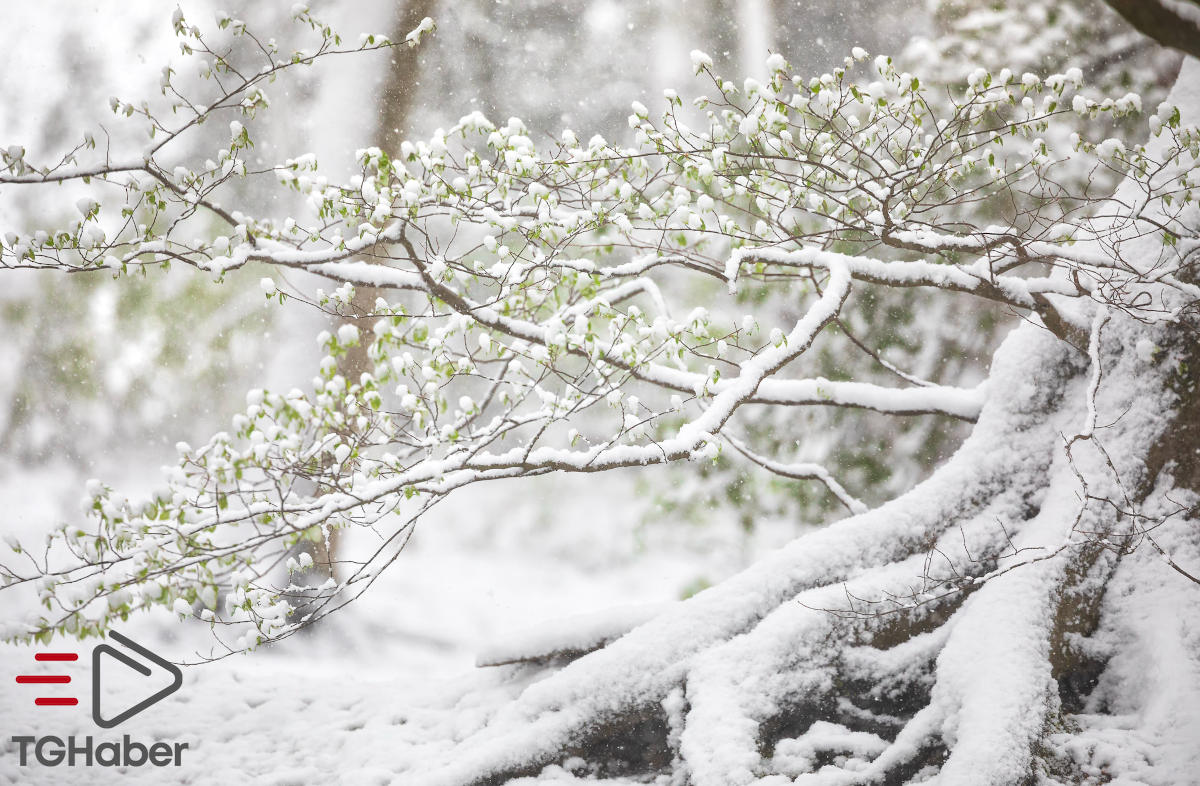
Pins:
<point x="969" y="681"/>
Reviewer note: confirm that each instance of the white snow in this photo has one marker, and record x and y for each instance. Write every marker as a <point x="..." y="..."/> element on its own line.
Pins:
<point x="573" y="635"/>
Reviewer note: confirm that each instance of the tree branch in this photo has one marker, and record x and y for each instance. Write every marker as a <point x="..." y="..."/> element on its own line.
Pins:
<point x="1173" y="23"/>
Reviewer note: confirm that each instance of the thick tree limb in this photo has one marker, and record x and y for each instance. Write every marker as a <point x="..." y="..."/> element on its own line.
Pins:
<point x="1173" y="23"/>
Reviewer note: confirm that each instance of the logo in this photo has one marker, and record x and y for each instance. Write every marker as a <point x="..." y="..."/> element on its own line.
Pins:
<point x="146" y="671"/>
<point x="50" y="751"/>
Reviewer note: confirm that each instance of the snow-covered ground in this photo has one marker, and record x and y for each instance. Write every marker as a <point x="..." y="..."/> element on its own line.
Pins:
<point x="483" y="572"/>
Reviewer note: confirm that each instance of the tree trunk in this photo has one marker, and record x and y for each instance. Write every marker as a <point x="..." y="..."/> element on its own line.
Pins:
<point x="395" y="113"/>
<point x="1173" y="23"/>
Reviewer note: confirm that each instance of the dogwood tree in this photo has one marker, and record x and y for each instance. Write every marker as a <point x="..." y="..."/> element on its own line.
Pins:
<point x="574" y="306"/>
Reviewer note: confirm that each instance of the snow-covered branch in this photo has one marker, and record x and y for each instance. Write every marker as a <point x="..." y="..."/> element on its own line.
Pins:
<point x="578" y="307"/>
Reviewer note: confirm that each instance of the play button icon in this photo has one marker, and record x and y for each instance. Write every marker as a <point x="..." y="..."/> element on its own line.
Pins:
<point x="147" y="665"/>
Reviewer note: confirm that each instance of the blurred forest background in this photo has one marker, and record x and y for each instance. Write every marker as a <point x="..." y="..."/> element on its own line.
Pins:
<point x="100" y="378"/>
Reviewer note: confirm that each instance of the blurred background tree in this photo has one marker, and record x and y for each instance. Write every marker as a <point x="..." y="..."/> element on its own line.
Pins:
<point x="97" y="369"/>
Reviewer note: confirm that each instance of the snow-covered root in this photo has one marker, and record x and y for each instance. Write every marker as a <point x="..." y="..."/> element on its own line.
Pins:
<point x="1003" y="668"/>
<point x="761" y="681"/>
<point x="802" y="662"/>
<point x="783" y="673"/>
<point x="1142" y="723"/>
<point x="993" y="685"/>
<point x="996" y="475"/>
<point x="994" y="682"/>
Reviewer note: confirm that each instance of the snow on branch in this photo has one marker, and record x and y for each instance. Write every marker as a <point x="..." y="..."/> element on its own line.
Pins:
<point x="578" y="306"/>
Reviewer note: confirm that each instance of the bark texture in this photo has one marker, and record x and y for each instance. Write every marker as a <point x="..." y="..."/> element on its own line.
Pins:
<point x="396" y="102"/>
<point x="1173" y="23"/>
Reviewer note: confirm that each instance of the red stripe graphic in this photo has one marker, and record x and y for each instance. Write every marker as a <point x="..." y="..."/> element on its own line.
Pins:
<point x="50" y="679"/>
